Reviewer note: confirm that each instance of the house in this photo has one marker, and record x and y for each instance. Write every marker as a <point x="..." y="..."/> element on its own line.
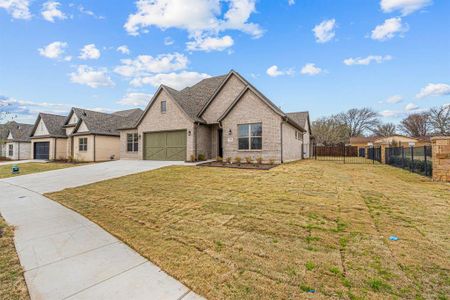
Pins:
<point x="302" y="118"/>
<point x="83" y="135"/>
<point x="219" y="116"/>
<point x="18" y="144"/>
<point x="395" y="140"/>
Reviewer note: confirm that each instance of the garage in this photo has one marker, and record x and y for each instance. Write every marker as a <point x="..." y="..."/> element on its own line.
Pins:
<point x="41" y="150"/>
<point x="165" y="145"/>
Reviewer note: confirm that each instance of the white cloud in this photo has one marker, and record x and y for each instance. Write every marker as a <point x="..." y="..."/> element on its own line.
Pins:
<point x="394" y="99"/>
<point x="291" y="2"/>
<point x="145" y="64"/>
<point x="411" y="106"/>
<point x="311" y="69"/>
<point x="367" y="60"/>
<point x="50" y="11"/>
<point x="391" y="113"/>
<point x="389" y="29"/>
<point x="168" y="41"/>
<point x="209" y="44"/>
<point x="89" y="52"/>
<point x="406" y="7"/>
<point x="18" y="9"/>
<point x="54" y="50"/>
<point x="324" y="32"/>
<point x="89" y="12"/>
<point x="91" y="77"/>
<point x="26" y="107"/>
<point x="135" y="99"/>
<point x="123" y="49"/>
<point x="434" y="89"/>
<point x="174" y="80"/>
<point x="274" y="71"/>
<point x="202" y="19"/>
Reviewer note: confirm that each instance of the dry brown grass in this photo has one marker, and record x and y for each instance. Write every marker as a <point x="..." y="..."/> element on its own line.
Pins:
<point x="29" y="168"/>
<point x="12" y="283"/>
<point x="303" y="226"/>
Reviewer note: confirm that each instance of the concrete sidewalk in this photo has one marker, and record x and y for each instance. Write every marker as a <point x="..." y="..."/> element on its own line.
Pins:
<point x="66" y="256"/>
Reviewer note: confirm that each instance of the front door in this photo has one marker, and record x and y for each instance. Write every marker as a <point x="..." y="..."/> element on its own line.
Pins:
<point x="220" y="142"/>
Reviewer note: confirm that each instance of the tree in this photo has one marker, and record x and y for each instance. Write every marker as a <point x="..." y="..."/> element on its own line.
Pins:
<point x="387" y="129"/>
<point x="439" y="118"/>
<point x="416" y="125"/>
<point x="329" y="131"/>
<point x="359" y="120"/>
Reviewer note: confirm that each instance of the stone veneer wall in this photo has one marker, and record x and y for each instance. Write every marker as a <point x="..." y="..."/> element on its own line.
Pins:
<point x="441" y="158"/>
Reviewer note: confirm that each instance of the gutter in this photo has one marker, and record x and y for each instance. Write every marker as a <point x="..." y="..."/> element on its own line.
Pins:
<point x="94" y="146"/>
<point x="195" y="140"/>
<point x="281" y="139"/>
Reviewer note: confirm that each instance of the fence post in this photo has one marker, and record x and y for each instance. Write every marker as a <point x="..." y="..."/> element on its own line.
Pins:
<point x="403" y="157"/>
<point x="315" y="151"/>
<point x="425" y="159"/>
<point x="344" y="153"/>
<point x="373" y="155"/>
<point x="412" y="158"/>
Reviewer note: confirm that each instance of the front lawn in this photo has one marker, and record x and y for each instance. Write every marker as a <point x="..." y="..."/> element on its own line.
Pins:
<point x="29" y="168"/>
<point x="12" y="282"/>
<point x="308" y="228"/>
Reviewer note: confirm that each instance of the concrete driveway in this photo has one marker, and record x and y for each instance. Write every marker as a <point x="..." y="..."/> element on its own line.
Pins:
<point x="66" y="256"/>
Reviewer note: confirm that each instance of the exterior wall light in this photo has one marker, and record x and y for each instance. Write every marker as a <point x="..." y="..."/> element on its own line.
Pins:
<point x="189" y="133"/>
<point x="229" y="132"/>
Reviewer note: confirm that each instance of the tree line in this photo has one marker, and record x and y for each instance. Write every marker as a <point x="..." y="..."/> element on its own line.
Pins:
<point x="339" y="128"/>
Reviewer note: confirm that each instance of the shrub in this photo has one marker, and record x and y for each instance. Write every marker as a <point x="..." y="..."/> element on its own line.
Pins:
<point x="219" y="159"/>
<point x="192" y="157"/>
<point x="237" y="159"/>
<point x="201" y="157"/>
<point x="228" y="160"/>
<point x="248" y="160"/>
<point x="259" y="160"/>
<point x="271" y="161"/>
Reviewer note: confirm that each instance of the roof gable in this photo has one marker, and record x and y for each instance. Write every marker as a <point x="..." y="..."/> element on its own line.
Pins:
<point x="53" y="124"/>
<point x="302" y="118"/>
<point x="20" y="132"/>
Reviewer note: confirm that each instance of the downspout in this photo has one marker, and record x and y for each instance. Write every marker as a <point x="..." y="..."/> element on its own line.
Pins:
<point x="56" y="143"/>
<point x="18" y="151"/>
<point x="281" y="139"/>
<point x="94" y="147"/>
<point x="54" y="149"/>
<point x="195" y="141"/>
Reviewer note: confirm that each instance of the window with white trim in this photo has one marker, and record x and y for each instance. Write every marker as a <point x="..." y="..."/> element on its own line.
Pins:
<point x="250" y="136"/>
<point x="82" y="144"/>
<point x="10" y="150"/>
<point x="132" y="142"/>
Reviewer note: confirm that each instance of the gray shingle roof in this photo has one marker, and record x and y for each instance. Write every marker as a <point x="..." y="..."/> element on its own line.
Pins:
<point x="300" y="117"/>
<point x="192" y="99"/>
<point x="20" y="132"/>
<point x="107" y="124"/>
<point x="54" y="124"/>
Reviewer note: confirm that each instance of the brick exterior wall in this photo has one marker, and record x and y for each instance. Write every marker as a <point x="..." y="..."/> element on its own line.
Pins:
<point x="124" y="154"/>
<point x="292" y="146"/>
<point x="251" y="109"/>
<point x="441" y="158"/>
<point x="21" y="150"/>
<point x="173" y="119"/>
<point x="232" y="88"/>
<point x="204" y="140"/>
<point x="107" y="147"/>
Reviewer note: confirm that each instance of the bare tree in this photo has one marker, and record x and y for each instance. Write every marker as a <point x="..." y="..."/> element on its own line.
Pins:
<point x="439" y="118"/>
<point x="329" y="131"/>
<point x="416" y="125"/>
<point x="359" y="120"/>
<point x="387" y="129"/>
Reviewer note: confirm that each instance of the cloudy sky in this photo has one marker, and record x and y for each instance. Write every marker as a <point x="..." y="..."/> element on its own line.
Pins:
<point x="324" y="56"/>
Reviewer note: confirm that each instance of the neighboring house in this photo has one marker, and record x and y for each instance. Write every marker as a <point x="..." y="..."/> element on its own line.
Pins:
<point x="18" y="144"/>
<point x="48" y="137"/>
<point x="220" y="116"/>
<point x="302" y="118"/>
<point x="395" y="140"/>
<point x="83" y="135"/>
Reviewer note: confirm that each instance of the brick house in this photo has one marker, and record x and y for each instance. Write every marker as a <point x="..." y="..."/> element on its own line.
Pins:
<point x="17" y="143"/>
<point x="220" y="116"/>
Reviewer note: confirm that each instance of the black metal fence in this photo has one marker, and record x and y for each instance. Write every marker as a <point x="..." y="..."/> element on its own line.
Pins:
<point x="414" y="159"/>
<point x="348" y="154"/>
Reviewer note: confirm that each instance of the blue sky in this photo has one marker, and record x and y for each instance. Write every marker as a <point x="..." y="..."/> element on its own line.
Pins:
<point x="325" y="56"/>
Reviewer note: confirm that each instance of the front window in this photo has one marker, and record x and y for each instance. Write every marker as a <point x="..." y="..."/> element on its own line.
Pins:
<point x="82" y="144"/>
<point x="132" y="142"/>
<point x="250" y="136"/>
<point x="11" y="150"/>
<point x="163" y="106"/>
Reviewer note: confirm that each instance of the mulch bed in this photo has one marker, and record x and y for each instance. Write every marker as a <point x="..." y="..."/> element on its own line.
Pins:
<point x="239" y="166"/>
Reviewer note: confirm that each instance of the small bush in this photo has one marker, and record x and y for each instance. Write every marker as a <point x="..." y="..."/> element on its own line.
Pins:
<point x="259" y="160"/>
<point x="201" y="157"/>
<point x="248" y="160"/>
<point x="219" y="159"/>
<point x="228" y="160"/>
<point x="237" y="159"/>
<point x="271" y="161"/>
<point x="192" y="157"/>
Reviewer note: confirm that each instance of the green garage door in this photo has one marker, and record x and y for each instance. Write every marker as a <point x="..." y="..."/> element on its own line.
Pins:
<point x="167" y="145"/>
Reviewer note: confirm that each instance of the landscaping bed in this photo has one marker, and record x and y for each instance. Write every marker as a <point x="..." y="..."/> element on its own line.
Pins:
<point x="238" y="165"/>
